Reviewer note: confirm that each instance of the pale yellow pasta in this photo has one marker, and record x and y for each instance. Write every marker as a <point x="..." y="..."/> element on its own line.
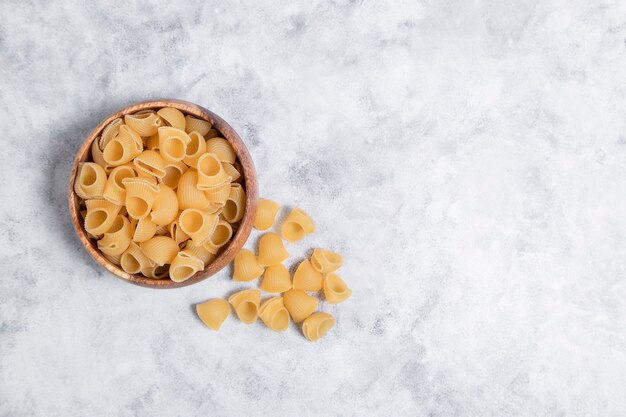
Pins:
<point x="173" y="173"/>
<point x="110" y="132"/>
<point x="276" y="279"/>
<point x="299" y="304"/>
<point x="173" y="117"/>
<point x="213" y="312"/>
<point x="144" y="123"/>
<point x="140" y="195"/>
<point x="188" y="194"/>
<point x="177" y="233"/>
<point x="160" y="249"/>
<point x="90" y="181"/>
<point x="211" y="175"/>
<point x="220" y="236"/>
<point x="198" y="224"/>
<point x="98" y="158"/>
<point x="173" y="143"/>
<point x="317" y="325"/>
<point x="133" y="260"/>
<point x="144" y="230"/>
<point x="297" y="225"/>
<point x="266" y="212"/>
<point x="195" y="149"/>
<point x="150" y="163"/>
<point x="231" y="171"/>
<point x="235" y="204"/>
<point x="200" y="252"/>
<point x="115" y="191"/>
<point x="113" y="259"/>
<point x="307" y="278"/>
<point x="197" y="125"/>
<point x="117" y="238"/>
<point x="222" y="148"/>
<point x="149" y="178"/>
<point x="123" y="148"/>
<point x="271" y="250"/>
<point x="156" y="272"/>
<point x="152" y="142"/>
<point x="165" y="206"/>
<point x="184" y="265"/>
<point x="274" y="314"/>
<point x="245" y="266"/>
<point x="246" y="304"/>
<point x="100" y="216"/>
<point x="218" y="196"/>
<point x="335" y="289"/>
<point x="326" y="261"/>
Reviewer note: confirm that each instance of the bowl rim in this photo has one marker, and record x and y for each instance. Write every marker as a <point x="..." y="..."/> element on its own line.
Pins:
<point x="249" y="179"/>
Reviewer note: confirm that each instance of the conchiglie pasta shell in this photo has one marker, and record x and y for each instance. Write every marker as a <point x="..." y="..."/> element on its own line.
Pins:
<point x="123" y="148"/>
<point x="231" y="171"/>
<point x="335" y="289"/>
<point x="144" y="123"/>
<point x="317" y="325"/>
<point x="173" y="117"/>
<point x="195" y="149"/>
<point x="184" y="266"/>
<point x="246" y="304"/>
<point x="100" y="216"/>
<point x="188" y="194"/>
<point x="271" y="250"/>
<point x="235" y="204"/>
<point x="165" y="206"/>
<point x="140" y="194"/>
<point x="114" y="190"/>
<point x="220" y="237"/>
<point x="245" y="266"/>
<point x="90" y="180"/>
<point x="211" y="175"/>
<point x="274" y="314"/>
<point x="307" y="278"/>
<point x="222" y="148"/>
<point x="198" y="224"/>
<point x="276" y="279"/>
<point x="326" y="261"/>
<point x="150" y="163"/>
<point x="117" y="239"/>
<point x="265" y="214"/>
<point x="160" y="249"/>
<point x="133" y="260"/>
<point x="218" y="196"/>
<point x="173" y="173"/>
<point x="213" y="312"/>
<point x="299" y="304"/>
<point x="109" y="133"/>
<point x="200" y="252"/>
<point x="177" y="233"/>
<point x="156" y="272"/>
<point x="197" y="125"/>
<point x="145" y="230"/>
<point x="297" y="225"/>
<point x="173" y="143"/>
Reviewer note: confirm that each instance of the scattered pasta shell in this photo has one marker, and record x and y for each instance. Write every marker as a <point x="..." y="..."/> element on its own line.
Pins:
<point x="144" y="230"/>
<point x="156" y="272"/>
<point x="317" y="325"/>
<point x="173" y="173"/>
<point x="188" y="194"/>
<point x="123" y="148"/>
<point x="200" y="252"/>
<point x="271" y="250"/>
<point x="100" y="216"/>
<point x="246" y="304"/>
<point x="197" y="224"/>
<point x="211" y="174"/>
<point x="140" y="194"/>
<point x="265" y="214"/>
<point x="160" y="249"/>
<point x="114" y="190"/>
<point x="193" y="124"/>
<point x="274" y="314"/>
<point x="165" y="206"/>
<point x="173" y="143"/>
<point x="90" y="181"/>
<point x="245" y="266"/>
<point x="133" y="260"/>
<point x="222" y="148"/>
<point x="335" y="289"/>
<point x="150" y="163"/>
<point x="235" y="204"/>
<point x="184" y="266"/>
<point x="172" y="117"/>
<point x="276" y="279"/>
<point x="299" y="304"/>
<point x="195" y="149"/>
<point x="116" y="240"/>
<point x="213" y="312"/>
<point x="326" y="261"/>
<point x="297" y="225"/>
<point x="306" y="278"/>
<point x="221" y="235"/>
<point x="145" y="123"/>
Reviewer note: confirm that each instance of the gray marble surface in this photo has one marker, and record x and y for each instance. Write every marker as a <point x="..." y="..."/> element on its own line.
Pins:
<point x="467" y="158"/>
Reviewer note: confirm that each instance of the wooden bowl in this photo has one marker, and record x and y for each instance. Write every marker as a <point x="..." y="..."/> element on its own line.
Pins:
<point x="249" y="183"/>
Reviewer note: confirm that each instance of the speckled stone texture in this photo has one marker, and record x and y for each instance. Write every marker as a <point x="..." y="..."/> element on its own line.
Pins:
<point x="468" y="158"/>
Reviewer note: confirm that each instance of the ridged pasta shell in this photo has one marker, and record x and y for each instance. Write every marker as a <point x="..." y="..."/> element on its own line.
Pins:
<point x="100" y="216"/>
<point x="297" y="225"/>
<point x="177" y="233"/>
<point x="116" y="240"/>
<point x="213" y="312"/>
<point x="220" y="236"/>
<point x="335" y="289"/>
<point x="160" y="249"/>
<point x="188" y="194"/>
<point x="90" y="180"/>
<point x="326" y="261"/>
<point x="156" y="272"/>
<point x="197" y="125"/>
<point x="200" y="252"/>
<point x="276" y="279"/>
<point x="133" y="260"/>
<point x="271" y="250"/>
<point x="145" y="230"/>
<point x="211" y="174"/>
<point x="307" y="278"/>
<point x="245" y="266"/>
<point x="195" y="149"/>
<point x="173" y="173"/>
<point x="150" y="163"/>
<point x="274" y="314"/>
<point x="145" y="123"/>
<point x="265" y="214"/>
<point x="123" y="148"/>
<point x="218" y="196"/>
<point x="165" y="206"/>
<point x="109" y="133"/>
<point x="231" y="171"/>
<point x="246" y="304"/>
<point x="222" y="148"/>
<point x="235" y="204"/>
<point x="114" y="190"/>
<point x="173" y="117"/>
<point x="173" y="143"/>
<point x="184" y="266"/>
<point x="299" y="304"/>
<point x="140" y="194"/>
<point x="96" y="155"/>
<point x="198" y="224"/>
<point x="317" y="325"/>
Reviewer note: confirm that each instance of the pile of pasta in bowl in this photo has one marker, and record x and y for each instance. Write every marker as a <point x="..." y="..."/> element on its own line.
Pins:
<point x="163" y="194"/>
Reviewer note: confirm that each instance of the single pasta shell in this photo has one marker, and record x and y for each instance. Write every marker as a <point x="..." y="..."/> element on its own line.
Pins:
<point x="335" y="289"/>
<point x="184" y="265"/>
<point x="133" y="260"/>
<point x="211" y="174"/>
<point x="195" y="149"/>
<point x="115" y="191"/>
<point x="245" y="266"/>
<point x="173" y="143"/>
<point x="271" y="250"/>
<point x="200" y="252"/>
<point x="326" y="261"/>
<point x="297" y="225"/>
<point x="197" y="224"/>
<point x="274" y="314"/>
<point x="173" y="173"/>
<point x="276" y="279"/>
<point x="221" y="235"/>
<point x="299" y="304"/>
<point x="160" y="249"/>
<point x="145" y="230"/>
<point x="246" y="304"/>
<point x="188" y="194"/>
<point x="165" y="206"/>
<point x="90" y="181"/>
<point x="100" y="216"/>
<point x="222" y="148"/>
<point x="109" y="133"/>
<point x="317" y="325"/>
<point x="265" y="214"/>
<point x="197" y="125"/>
<point x="116" y="240"/>
<point x="96" y="155"/>
<point x="150" y="163"/>
<point x="145" y="123"/>
<point x="123" y="148"/>
<point x="235" y="204"/>
<point x="307" y="278"/>
<point x="231" y="171"/>
<point x="172" y="117"/>
<point x="140" y="194"/>
<point x="213" y="312"/>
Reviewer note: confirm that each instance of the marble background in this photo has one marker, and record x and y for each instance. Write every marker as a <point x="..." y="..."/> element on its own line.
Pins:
<point x="467" y="157"/>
